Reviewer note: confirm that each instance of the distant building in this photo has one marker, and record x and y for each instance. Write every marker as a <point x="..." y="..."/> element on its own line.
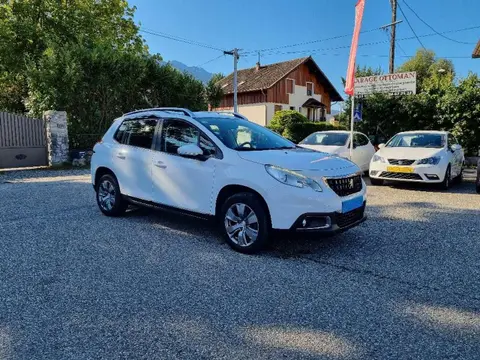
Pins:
<point x="297" y="84"/>
<point x="476" y="51"/>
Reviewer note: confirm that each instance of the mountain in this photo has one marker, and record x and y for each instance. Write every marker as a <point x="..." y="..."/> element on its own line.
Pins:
<point x="197" y="72"/>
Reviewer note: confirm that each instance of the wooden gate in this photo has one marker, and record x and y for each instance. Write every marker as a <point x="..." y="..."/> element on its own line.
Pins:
<point x="22" y="141"/>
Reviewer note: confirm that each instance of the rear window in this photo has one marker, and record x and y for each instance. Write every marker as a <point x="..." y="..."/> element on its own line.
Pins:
<point x="137" y="132"/>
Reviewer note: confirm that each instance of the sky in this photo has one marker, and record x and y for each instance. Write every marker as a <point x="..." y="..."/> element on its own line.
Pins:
<point x="253" y="25"/>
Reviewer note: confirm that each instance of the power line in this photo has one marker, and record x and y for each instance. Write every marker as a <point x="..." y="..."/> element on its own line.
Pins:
<point x="360" y="45"/>
<point x="410" y="25"/>
<point x="436" y="32"/>
<point x="211" y="60"/>
<point x="309" y="42"/>
<point x="179" y="39"/>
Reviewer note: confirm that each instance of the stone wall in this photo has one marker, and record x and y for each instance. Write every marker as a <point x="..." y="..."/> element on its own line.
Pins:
<point x="57" y="137"/>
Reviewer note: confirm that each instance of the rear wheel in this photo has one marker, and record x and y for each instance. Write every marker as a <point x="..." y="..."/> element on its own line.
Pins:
<point x="376" y="182"/>
<point x="109" y="198"/>
<point x="245" y="223"/>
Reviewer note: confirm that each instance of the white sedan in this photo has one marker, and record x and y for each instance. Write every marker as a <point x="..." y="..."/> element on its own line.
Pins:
<point x="338" y="143"/>
<point x="418" y="156"/>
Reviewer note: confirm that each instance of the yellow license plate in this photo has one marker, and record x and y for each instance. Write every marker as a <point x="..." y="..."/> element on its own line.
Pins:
<point x="400" y="169"/>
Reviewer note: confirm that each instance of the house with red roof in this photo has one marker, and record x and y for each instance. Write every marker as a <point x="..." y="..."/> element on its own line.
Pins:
<point x="297" y="84"/>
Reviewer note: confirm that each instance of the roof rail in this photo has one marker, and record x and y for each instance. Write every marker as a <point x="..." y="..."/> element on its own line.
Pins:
<point x="240" y="116"/>
<point x="183" y="111"/>
<point x="237" y="115"/>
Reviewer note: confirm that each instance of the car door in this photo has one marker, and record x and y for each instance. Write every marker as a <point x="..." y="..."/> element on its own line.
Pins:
<point x="360" y="153"/>
<point x="183" y="182"/>
<point x="457" y="155"/>
<point x="132" y="157"/>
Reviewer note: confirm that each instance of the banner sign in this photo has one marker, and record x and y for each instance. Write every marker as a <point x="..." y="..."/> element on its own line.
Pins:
<point x="359" y="8"/>
<point x="393" y="84"/>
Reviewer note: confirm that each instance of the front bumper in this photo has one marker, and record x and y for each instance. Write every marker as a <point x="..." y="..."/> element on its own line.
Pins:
<point x="421" y="173"/>
<point x="329" y="223"/>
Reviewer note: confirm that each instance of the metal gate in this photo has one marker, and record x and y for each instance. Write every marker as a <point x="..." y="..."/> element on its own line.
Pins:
<point x="22" y="141"/>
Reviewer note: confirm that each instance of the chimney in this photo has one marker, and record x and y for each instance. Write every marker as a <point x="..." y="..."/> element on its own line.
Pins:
<point x="257" y="66"/>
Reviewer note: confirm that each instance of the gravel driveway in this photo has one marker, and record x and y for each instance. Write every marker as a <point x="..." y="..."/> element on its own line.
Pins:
<point x="77" y="285"/>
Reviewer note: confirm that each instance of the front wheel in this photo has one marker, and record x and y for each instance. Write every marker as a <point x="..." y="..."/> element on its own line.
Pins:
<point x="109" y="198"/>
<point x="245" y="223"/>
<point x="445" y="184"/>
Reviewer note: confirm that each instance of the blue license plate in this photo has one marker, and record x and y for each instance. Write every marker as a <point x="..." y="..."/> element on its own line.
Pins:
<point x="352" y="204"/>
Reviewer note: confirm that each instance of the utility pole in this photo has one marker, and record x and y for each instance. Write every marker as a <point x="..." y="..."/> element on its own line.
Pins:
<point x="235" y="55"/>
<point x="393" y="34"/>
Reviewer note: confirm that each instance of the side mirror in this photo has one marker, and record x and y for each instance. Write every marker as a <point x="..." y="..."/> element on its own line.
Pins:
<point x="455" y="147"/>
<point x="381" y="146"/>
<point x="190" y="150"/>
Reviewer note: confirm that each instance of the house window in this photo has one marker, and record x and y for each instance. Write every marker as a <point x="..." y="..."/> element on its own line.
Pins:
<point x="292" y="107"/>
<point x="290" y="86"/>
<point x="309" y="88"/>
<point x="277" y="108"/>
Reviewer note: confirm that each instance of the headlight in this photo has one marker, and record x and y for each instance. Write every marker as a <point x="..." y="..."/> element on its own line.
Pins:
<point x="377" y="158"/>
<point x="292" y="178"/>
<point x="429" y="161"/>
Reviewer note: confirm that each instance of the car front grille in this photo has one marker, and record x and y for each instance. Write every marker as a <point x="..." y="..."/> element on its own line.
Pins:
<point x="401" y="176"/>
<point x="351" y="217"/>
<point x="401" y="161"/>
<point x="345" y="186"/>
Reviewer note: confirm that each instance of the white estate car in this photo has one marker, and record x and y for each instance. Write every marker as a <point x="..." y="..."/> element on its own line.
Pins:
<point x="418" y="156"/>
<point x="222" y="165"/>
<point x="338" y="143"/>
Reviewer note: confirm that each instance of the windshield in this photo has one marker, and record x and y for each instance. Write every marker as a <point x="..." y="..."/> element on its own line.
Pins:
<point x="243" y="135"/>
<point x="417" y="140"/>
<point x="326" y="139"/>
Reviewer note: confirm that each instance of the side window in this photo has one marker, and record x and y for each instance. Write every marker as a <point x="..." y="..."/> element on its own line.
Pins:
<point x="208" y="147"/>
<point x="137" y="133"/>
<point x="451" y="140"/>
<point x="178" y="133"/>
<point x="359" y="140"/>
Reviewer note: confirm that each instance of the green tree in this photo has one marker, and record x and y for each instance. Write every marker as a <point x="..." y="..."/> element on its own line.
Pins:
<point x="29" y="28"/>
<point x="213" y="91"/>
<point x="284" y="118"/>
<point x="97" y="84"/>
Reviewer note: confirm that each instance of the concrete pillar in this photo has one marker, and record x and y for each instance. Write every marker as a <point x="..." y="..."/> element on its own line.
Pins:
<point x="57" y="137"/>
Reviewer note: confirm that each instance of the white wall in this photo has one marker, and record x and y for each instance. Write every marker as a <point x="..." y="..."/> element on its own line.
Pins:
<point x="255" y="113"/>
<point x="300" y="96"/>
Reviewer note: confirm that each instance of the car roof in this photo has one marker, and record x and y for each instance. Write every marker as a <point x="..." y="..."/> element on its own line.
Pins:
<point x="425" y="132"/>
<point x="337" y="132"/>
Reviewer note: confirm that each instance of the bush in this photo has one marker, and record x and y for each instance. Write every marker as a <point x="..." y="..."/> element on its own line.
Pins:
<point x="299" y="131"/>
<point x="284" y="118"/>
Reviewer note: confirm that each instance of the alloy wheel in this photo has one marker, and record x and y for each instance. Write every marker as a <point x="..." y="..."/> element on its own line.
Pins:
<point x="241" y="224"/>
<point x="106" y="195"/>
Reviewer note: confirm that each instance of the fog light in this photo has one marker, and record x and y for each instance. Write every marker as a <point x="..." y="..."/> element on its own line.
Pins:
<point x="316" y="223"/>
<point x="432" y="177"/>
<point x="373" y="172"/>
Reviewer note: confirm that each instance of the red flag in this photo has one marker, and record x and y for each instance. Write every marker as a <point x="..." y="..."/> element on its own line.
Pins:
<point x="349" y="86"/>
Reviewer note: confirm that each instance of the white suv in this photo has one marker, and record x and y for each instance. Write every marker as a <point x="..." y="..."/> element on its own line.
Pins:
<point x="224" y="166"/>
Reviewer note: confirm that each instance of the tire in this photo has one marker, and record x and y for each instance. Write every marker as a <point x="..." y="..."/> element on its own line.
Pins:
<point x="376" y="182"/>
<point x="109" y="199"/>
<point x="447" y="180"/>
<point x="459" y="178"/>
<point x="478" y="188"/>
<point x="248" y="233"/>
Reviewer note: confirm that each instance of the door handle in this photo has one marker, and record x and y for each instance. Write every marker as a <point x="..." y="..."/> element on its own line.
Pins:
<point x="160" y="164"/>
<point x="121" y="155"/>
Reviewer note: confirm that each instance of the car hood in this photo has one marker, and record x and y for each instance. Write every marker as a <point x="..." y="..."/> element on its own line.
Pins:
<point x="408" y="153"/>
<point x="323" y="148"/>
<point x="310" y="163"/>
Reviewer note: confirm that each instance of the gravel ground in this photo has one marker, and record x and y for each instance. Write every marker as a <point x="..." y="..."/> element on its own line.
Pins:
<point x="77" y="285"/>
